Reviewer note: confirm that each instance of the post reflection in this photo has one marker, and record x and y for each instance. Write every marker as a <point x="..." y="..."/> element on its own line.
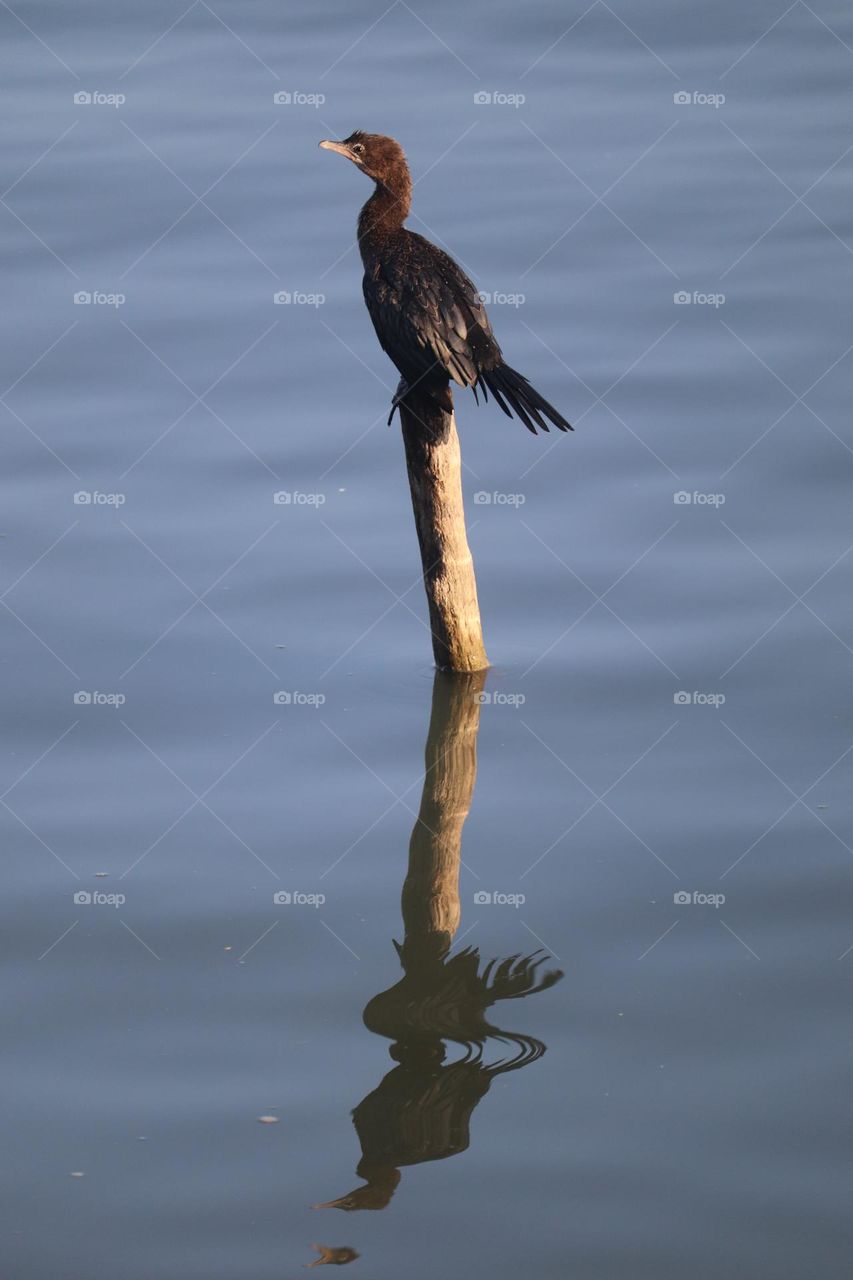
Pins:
<point x="422" y="1108"/>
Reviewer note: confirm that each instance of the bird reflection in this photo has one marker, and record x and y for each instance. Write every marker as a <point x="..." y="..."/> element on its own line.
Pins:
<point x="422" y="1108"/>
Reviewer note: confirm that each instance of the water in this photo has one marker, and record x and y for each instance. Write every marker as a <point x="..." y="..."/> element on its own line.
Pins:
<point x="687" y="1116"/>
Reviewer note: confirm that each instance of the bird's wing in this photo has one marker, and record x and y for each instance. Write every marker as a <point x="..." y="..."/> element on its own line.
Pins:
<point x="426" y="312"/>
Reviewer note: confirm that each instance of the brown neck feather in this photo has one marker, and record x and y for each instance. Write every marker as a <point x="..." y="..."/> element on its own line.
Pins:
<point x="385" y="211"/>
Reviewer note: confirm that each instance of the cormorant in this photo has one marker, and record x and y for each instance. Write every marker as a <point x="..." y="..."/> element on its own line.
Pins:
<point x="427" y="314"/>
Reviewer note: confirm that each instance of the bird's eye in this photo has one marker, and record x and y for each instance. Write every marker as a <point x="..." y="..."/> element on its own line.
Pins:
<point x="358" y="149"/>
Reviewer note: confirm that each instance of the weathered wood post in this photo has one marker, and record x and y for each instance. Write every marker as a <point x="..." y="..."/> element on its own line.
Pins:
<point x="434" y="465"/>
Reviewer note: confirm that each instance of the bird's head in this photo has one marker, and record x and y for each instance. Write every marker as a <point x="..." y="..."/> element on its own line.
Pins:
<point x="381" y="158"/>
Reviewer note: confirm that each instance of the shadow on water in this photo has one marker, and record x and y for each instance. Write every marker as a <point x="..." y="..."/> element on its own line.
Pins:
<point x="422" y="1109"/>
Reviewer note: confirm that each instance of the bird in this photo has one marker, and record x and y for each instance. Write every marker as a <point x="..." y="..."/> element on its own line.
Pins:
<point x="427" y="313"/>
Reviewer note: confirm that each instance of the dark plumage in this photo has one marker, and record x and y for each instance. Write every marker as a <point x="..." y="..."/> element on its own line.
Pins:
<point x="427" y="314"/>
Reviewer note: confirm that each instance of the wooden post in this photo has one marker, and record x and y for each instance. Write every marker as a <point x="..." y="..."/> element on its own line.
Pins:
<point x="434" y="465"/>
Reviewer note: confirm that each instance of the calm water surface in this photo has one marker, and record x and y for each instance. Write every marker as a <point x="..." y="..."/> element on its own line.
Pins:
<point x="666" y="597"/>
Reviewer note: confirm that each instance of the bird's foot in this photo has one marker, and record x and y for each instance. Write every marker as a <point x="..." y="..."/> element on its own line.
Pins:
<point x="399" y="395"/>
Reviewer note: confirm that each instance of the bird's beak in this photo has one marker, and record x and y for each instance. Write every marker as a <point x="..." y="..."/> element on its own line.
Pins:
<point x="341" y="148"/>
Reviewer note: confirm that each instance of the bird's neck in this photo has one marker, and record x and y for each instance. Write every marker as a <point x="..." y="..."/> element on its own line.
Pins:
<point x="384" y="213"/>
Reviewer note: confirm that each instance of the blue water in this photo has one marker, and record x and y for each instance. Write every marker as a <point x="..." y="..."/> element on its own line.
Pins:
<point x="687" y="1117"/>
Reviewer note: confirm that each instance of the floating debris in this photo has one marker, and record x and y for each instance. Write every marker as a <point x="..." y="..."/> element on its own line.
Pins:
<point x="78" y="1173"/>
<point x="337" y="1255"/>
<point x="268" y="1119"/>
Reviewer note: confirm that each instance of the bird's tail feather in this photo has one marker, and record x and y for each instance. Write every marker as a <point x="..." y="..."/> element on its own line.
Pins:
<point x="515" y="395"/>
